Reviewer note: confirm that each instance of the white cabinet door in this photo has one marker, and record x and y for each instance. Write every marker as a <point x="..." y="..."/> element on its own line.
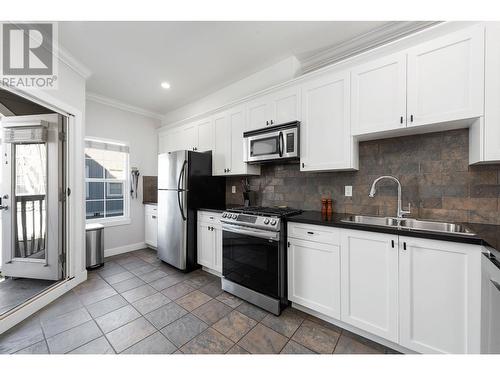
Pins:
<point x="259" y="112"/>
<point x="206" y="244"/>
<point x="446" y="78"/>
<point x="379" y="95"/>
<point x="151" y="225"/>
<point x="439" y="296"/>
<point x="217" y="233"/>
<point x="314" y="276"/>
<point x="205" y="135"/>
<point x="188" y="137"/>
<point x="369" y="282"/>
<point x="326" y="141"/>
<point x="221" y="156"/>
<point x="236" y="119"/>
<point x="285" y="105"/>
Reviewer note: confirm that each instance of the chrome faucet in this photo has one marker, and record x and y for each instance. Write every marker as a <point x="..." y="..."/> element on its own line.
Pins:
<point x="373" y="190"/>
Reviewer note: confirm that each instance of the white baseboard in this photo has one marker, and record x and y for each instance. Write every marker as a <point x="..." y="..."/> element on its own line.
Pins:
<point x="124" y="249"/>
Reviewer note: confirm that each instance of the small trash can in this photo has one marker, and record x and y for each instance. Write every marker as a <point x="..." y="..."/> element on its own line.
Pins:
<point x="94" y="244"/>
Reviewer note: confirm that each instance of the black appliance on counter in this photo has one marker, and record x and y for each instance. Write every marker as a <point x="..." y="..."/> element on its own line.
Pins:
<point x="254" y="249"/>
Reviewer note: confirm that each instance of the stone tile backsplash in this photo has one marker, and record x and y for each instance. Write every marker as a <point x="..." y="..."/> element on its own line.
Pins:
<point x="433" y="169"/>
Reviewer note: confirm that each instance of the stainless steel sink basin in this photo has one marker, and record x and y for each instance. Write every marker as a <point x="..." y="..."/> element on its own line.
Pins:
<point x="411" y="224"/>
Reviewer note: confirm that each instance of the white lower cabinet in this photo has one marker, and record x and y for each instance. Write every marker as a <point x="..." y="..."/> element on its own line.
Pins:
<point x="151" y="225"/>
<point x="439" y="296"/>
<point x="422" y="294"/>
<point x="209" y="241"/>
<point x="369" y="282"/>
<point x="321" y="292"/>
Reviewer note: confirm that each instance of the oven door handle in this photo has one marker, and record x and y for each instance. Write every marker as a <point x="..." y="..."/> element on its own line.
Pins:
<point x="274" y="236"/>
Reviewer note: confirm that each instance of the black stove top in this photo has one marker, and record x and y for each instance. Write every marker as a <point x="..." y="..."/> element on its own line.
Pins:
<point x="267" y="211"/>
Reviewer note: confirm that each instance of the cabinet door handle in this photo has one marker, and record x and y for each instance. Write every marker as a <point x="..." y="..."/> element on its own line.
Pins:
<point x="211" y="217"/>
<point x="310" y="232"/>
<point x="411" y="118"/>
<point x="401" y="119"/>
<point x="267" y="122"/>
<point x="392" y="243"/>
<point x="153" y="217"/>
<point x="497" y="285"/>
<point x="404" y="245"/>
<point x="271" y="122"/>
<point x="303" y="165"/>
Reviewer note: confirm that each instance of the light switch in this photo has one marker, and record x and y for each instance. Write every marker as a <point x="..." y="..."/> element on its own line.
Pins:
<point x="233" y="189"/>
<point x="348" y="191"/>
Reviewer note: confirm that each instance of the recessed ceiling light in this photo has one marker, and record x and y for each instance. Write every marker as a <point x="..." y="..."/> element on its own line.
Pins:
<point x="165" y="85"/>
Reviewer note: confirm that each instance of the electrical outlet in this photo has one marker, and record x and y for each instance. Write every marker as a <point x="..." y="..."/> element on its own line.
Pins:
<point x="233" y="189"/>
<point x="348" y="191"/>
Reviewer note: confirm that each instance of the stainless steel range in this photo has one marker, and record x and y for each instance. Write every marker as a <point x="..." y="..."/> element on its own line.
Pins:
<point x="254" y="255"/>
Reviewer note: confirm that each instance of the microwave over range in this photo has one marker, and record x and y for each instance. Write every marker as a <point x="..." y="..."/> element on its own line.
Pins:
<point x="273" y="143"/>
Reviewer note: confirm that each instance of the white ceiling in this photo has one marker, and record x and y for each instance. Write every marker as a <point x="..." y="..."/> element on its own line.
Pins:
<point x="129" y="60"/>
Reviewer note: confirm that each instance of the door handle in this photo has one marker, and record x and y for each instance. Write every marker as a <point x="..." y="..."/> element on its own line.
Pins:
<point x="281" y="144"/>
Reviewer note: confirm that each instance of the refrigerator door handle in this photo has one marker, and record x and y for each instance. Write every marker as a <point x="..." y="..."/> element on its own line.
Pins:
<point x="181" y="175"/>
<point x="181" y="208"/>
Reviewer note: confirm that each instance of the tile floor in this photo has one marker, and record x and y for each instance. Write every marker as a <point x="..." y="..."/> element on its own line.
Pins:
<point x="136" y="304"/>
<point x="14" y="291"/>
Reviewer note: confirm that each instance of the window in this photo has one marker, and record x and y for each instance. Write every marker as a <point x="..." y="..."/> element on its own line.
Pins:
<point x="106" y="180"/>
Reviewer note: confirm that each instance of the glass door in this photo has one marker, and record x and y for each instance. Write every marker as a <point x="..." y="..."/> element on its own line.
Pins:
<point x="32" y="194"/>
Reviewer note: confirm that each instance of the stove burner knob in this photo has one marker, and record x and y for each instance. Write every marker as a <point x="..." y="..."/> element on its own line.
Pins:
<point x="235" y="216"/>
<point x="224" y="215"/>
<point x="273" y="222"/>
<point x="266" y="221"/>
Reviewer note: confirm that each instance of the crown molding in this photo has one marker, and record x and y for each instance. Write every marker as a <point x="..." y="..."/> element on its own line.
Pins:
<point x="382" y="35"/>
<point x="121" y="105"/>
<point x="69" y="60"/>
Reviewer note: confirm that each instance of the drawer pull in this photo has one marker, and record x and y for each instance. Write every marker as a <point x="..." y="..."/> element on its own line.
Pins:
<point x="497" y="285"/>
<point x="310" y="232"/>
<point x="211" y="217"/>
<point x="153" y="217"/>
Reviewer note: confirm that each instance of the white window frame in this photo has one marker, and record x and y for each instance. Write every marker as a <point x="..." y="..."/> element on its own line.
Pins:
<point x="114" y="220"/>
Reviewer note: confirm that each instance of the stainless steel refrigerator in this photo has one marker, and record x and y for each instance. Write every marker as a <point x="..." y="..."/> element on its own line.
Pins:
<point x="185" y="184"/>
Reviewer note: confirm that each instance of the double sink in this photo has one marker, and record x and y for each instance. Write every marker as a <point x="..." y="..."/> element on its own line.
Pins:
<point x="412" y="224"/>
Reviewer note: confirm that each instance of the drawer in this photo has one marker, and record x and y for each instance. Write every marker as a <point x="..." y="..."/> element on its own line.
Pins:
<point x="209" y="217"/>
<point x="151" y="209"/>
<point x="316" y="233"/>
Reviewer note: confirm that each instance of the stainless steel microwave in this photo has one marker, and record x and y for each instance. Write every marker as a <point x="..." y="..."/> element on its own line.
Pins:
<point x="273" y="143"/>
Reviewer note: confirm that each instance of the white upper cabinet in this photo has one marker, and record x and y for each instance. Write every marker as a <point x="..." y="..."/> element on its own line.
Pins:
<point x="325" y="131"/>
<point x="221" y="155"/>
<point x="369" y="282"/>
<point x="275" y="108"/>
<point x="379" y="95"/>
<point x="205" y="135"/>
<point x="439" y="296"/>
<point x="446" y="78"/>
<point x="228" y="151"/>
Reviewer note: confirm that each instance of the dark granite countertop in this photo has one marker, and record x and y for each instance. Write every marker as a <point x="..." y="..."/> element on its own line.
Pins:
<point x="486" y="234"/>
<point x="153" y="203"/>
<point x="220" y="210"/>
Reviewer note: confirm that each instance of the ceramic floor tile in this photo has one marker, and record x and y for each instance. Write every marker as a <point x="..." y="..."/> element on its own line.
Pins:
<point x="97" y="295"/>
<point x="143" y="269"/>
<point x="90" y="285"/>
<point x="208" y="342"/>
<point x="130" y="334"/>
<point x="110" y="269"/>
<point x="37" y="348"/>
<point x="197" y="280"/>
<point x="234" y="325"/>
<point x="154" y="344"/>
<point x="166" y="315"/>
<point x="316" y="337"/>
<point x="119" y="277"/>
<point x="252" y="311"/>
<point x="349" y="345"/>
<point x="293" y="347"/>
<point x="166" y="282"/>
<point x="229" y="299"/>
<point x="286" y="324"/>
<point x="58" y="324"/>
<point x="213" y="289"/>
<point x="212" y="311"/>
<point x="151" y="303"/>
<point x="193" y="300"/>
<point x="178" y="290"/>
<point x="263" y="340"/>
<point x="66" y="341"/>
<point x="66" y="303"/>
<point x="236" y="349"/>
<point x="21" y="336"/>
<point x="136" y="294"/>
<point x="126" y="285"/>
<point x="106" y="305"/>
<point x="152" y="276"/>
<point x="136" y="263"/>
<point x="117" y="318"/>
<point x="97" y="346"/>
<point x="184" y="329"/>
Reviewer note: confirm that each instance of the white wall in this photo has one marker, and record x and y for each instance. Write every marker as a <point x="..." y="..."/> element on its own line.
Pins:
<point x="280" y="72"/>
<point x="140" y="133"/>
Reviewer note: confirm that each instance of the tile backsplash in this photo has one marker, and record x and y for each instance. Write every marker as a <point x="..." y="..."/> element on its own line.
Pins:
<point x="433" y="169"/>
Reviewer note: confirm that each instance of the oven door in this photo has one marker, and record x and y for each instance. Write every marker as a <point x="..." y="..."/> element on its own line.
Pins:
<point x="251" y="258"/>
